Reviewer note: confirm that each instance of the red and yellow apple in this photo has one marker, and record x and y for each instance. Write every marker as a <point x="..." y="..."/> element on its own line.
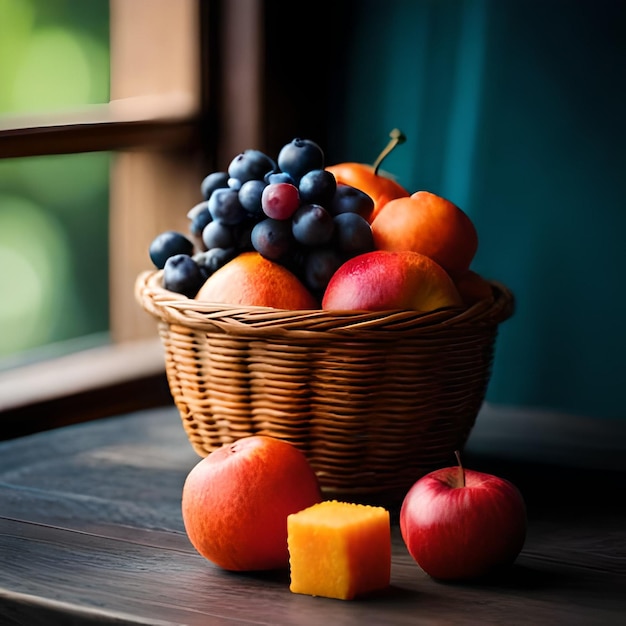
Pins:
<point x="462" y="524"/>
<point x="236" y="500"/>
<point x="382" y="281"/>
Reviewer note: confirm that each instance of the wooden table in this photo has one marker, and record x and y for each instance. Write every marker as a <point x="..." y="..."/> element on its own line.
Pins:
<point x="91" y="533"/>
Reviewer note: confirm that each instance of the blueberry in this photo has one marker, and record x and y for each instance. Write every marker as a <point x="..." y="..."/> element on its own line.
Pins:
<point x="218" y="235"/>
<point x="278" y="177"/>
<point x="312" y="225"/>
<point x="183" y="275"/>
<point x="197" y="208"/>
<point x="251" y="165"/>
<point x="250" y="196"/>
<point x="352" y="234"/>
<point x="272" y="238"/>
<point x="215" y="180"/>
<point x="299" y="157"/>
<point x="225" y="207"/>
<point x="234" y="183"/>
<point x="168" y="244"/>
<point x="320" y="265"/>
<point x="317" y="187"/>
<point x="348" y="199"/>
<point x="211" y="260"/>
<point x="199" y="217"/>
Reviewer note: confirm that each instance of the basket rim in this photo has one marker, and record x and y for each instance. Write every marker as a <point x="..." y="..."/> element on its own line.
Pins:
<point x="173" y="308"/>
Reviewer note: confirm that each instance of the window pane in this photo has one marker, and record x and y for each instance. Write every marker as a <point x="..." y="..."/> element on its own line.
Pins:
<point x="54" y="54"/>
<point x="53" y="249"/>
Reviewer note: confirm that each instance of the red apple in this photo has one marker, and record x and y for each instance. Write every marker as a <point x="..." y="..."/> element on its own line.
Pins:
<point x="235" y="502"/>
<point x="382" y="280"/>
<point x="462" y="524"/>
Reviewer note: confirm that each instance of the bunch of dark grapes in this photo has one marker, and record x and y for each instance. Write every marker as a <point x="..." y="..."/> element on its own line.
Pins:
<point x="292" y="211"/>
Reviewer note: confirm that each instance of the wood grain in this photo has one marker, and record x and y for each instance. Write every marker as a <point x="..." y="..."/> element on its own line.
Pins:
<point x="91" y="532"/>
<point x="86" y="384"/>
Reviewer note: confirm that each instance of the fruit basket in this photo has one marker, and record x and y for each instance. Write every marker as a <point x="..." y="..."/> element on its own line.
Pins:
<point x="374" y="400"/>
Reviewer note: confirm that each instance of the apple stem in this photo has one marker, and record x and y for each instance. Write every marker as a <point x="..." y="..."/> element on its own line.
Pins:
<point x="397" y="137"/>
<point x="457" y="454"/>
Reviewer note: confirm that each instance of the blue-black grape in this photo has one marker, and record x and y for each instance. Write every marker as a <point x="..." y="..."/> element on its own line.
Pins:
<point x="183" y="275"/>
<point x="317" y="187"/>
<point x="272" y="238"/>
<point x="320" y="264"/>
<point x="211" y="260"/>
<point x="278" y="177"/>
<point x="167" y="244"/>
<point x="218" y="235"/>
<point x="199" y="216"/>
<point x="213" y="181"/>
<point x="225" y="207"/>
<point x="299" y="157"/>
<point x="348" y="199"/>
<point x="251" y="164"/>
<point x="243" y="235"/>
<point x="312" y="225"/>
<point x="290" y="210"/>
<point x="352" y="235"/>
<point x="250" y="197"/>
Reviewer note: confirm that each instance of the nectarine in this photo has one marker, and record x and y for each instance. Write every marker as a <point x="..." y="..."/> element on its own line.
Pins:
<point x="383" y="280"/>
<point x="252" y="280"/>
<point x="235" y="502"/>
<point x="428" y="224"/>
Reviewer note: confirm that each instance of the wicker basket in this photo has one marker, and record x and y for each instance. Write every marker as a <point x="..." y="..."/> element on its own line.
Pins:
<point x="374" y="400"/>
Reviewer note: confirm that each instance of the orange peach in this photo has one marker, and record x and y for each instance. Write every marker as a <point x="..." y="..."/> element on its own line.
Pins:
<point x="236" y="501"/>
<point x="428" y="224"/>
<point x="252" y="280"/>
<point x="383" y="280"/>
<point x="367" y="178"/>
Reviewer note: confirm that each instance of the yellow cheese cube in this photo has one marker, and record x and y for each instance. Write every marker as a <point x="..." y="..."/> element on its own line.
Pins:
<point x="339" y="549"/>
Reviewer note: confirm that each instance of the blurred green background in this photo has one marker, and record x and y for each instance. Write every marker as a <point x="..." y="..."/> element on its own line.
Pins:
<point x="54" y="55"/>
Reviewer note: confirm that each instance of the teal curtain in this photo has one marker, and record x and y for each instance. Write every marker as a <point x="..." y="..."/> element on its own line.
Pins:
<point x="514" y="110"/>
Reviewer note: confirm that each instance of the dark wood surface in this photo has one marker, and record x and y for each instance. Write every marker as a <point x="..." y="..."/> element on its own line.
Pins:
<point x="91" y="533"/>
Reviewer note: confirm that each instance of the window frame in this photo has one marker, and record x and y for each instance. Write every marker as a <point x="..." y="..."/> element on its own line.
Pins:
<point x="167" y="124"/>
<point x="193" y="83"/>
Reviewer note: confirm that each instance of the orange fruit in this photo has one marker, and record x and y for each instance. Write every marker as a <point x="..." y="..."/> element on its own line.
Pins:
<point x="235" y="502"/>
<point x="379" y="188"/>
<point x="252" y="280"/>
<point x="428" y="224"/>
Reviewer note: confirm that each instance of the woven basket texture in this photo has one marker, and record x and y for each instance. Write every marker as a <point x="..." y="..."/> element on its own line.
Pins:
<point x="374" y="400"/>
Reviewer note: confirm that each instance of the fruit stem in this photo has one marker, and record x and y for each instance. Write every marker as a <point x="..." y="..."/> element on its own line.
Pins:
<point x="397" y="137"/>
<point x="457" y="454"/>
